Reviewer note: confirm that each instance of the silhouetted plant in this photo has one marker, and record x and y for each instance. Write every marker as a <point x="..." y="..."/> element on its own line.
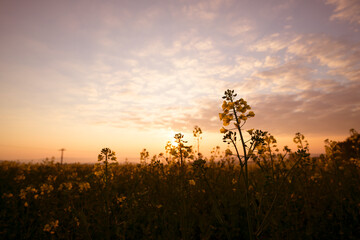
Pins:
<point x="238" y="112"/>
<point x="107" y="157"/>
<point x="197" y="134"/>
<point x="259" y="149"/>
<point x="180" y="151"/>
<point x="144" y="156"/>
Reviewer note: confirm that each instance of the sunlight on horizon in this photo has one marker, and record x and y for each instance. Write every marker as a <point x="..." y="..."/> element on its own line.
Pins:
<point x="129" y="75"/>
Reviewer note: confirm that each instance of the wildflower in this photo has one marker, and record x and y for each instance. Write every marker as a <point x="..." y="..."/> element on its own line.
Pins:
<point x="224" y="105"/>
<point x="121" y="199"/>
<point x="242" y="117"/>
<point x="7" y="195"/>
<point x="77" y="221"/>
<point x="51" y="178"/>
<point x="22" y="194"/>
<point x="239" y="108"/>
<point x="51" y="227"/>
<point x="251" y="114"/>
<point x="222" y="115"/>
<point x="227" y="119"/>
<point x="46" y="188"/>
<point x="223" y="130"/>
<point x="19" y="178"/>
<point x="66" y="185"/>
<point x="84" y="186"/>
<point x="250" y="131"/>
<point x="26" y="204"/>
<point x="192" y="182"/>
<point x="47" y="228"/>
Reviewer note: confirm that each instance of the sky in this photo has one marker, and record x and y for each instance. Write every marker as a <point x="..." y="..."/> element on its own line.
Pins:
<point x="84" y="75"/>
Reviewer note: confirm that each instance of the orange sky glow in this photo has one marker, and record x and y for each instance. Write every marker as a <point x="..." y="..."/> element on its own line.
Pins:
<point x="128" y="75"/>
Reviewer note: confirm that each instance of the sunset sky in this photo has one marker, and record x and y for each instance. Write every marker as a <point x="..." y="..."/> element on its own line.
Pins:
<point x="128" y="75"/>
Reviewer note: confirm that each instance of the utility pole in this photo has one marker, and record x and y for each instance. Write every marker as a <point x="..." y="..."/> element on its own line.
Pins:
<point x="62" y="154"/>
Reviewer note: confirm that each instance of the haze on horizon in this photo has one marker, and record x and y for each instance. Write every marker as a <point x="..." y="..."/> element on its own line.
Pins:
<point x="127" y="75"/>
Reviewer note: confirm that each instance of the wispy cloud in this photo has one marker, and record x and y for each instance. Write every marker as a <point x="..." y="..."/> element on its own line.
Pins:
<point x="346" y="10"/>
<point x="165" y="64"/>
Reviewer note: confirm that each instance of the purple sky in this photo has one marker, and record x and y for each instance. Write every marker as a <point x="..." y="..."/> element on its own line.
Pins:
<point x="129" y="74"/>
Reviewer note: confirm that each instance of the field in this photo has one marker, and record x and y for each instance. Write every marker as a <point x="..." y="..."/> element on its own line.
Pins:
<point x="253" y="191"/>
<point x="314" y="198"/>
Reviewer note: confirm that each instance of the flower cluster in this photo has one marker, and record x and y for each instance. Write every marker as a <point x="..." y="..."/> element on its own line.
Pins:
<point x="234" y="110"/>
<point x="51" y="227"/>
<point x="84" y="186"/>
<point x="46" y="188"/>
<point x="29" y="189"/>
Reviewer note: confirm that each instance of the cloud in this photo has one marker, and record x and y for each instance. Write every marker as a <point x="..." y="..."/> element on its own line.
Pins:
<point x="341" y="58"/>
<point x="308" y="83"/>
<point x="273" y="43"/>
<point x="311" y="111"/>
<point x="180" y="84"/>
<point x="239" y="27"/>
<point x="289" y="77"/>
<point x="204" y="10"/>
<point x="345" y="10"/>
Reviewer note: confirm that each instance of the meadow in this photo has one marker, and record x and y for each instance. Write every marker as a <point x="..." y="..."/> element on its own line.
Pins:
<point x="262" y="193"/>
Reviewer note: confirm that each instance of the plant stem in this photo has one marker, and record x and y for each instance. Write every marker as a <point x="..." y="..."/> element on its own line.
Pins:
<point x="246" y="176"/>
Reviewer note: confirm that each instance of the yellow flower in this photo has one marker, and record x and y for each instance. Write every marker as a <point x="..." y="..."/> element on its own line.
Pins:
<point x="7" y="195"/>
<point x="234" y="181"/>
<point x="223" y="130"/>
<point x="65" y="185"/>
<point x="242" y="117"/>
<point x="84" y="186"/>
<point x="192" y="182"/>
<point x="222" y="115"/>
<point x="250" y="131"/>
<point x="251" y="114"/>
<point x="77" y="221"/>
<point x="224" y="105"/>
<point x="121" y="199"/>
<point x="19" y="178"/>
<point x="226" y="120"/>
<point x="22" y="194"/>
<point x="46" y="188"/>
<point x="50" y="227"/>
<point x="26" y="204"/>
<point x="47" y="228"/>
<point x="230" y="105"/>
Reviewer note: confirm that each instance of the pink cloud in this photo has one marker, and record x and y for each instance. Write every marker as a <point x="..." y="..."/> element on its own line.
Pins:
<point x="346" y="10"/>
